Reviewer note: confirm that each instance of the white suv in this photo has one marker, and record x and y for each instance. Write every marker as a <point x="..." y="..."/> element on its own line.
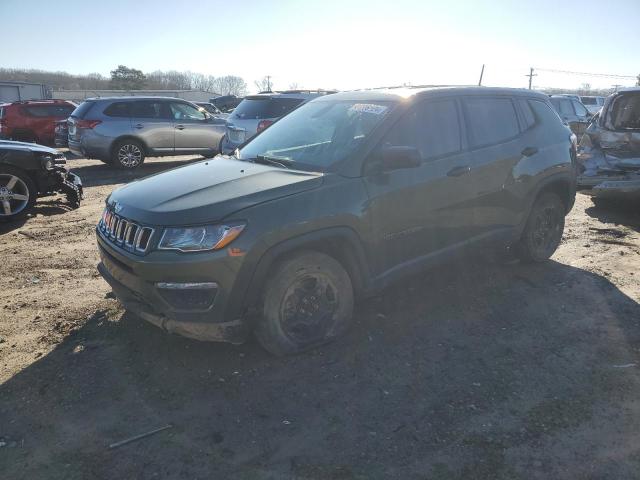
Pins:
<point x="257" y="112"/>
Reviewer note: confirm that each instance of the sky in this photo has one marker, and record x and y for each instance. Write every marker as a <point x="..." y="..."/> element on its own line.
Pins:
<point x="343" y="44"/>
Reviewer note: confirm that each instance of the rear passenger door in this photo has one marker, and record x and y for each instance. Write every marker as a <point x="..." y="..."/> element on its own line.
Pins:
<point x="418" y="211"/>
<point x="495" y="147"/>
<point x="152" y="124"/>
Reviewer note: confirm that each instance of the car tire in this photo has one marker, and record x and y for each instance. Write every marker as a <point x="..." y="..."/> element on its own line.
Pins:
<point x="127" y="154"/>
<point x="14" y="181"/>
<point x="543" y="232"/>
<point x="308" y="301"/>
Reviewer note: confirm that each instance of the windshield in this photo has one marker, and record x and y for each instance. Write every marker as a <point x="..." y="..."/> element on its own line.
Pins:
<point x="259" y="108"/>
<point x="318" y="134"/>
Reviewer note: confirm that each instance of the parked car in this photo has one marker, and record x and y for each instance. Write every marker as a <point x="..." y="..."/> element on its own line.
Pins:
<point x="592" y="104"/>
<point x="344" y="195"/>
<point x="61" y="133"/>
<point x="212" y="110"/>
<point x="28" y="171"/>
<point x="257" y="112"/>
<point x="226" y="103"/>
<point x="123" y="131"/>
<point x="33" y="120"/>
<point x="609" y="156"/>
<point x="572" y="112"/>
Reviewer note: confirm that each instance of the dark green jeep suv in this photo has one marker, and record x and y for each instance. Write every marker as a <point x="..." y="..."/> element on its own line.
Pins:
<point x="336" y="200"/>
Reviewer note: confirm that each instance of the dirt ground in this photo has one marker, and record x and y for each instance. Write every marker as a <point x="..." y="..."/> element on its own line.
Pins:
<point x="474" y="370"/>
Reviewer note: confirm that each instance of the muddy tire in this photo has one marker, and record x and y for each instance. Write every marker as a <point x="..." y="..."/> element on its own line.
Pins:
<point x="308" y="301"/>
<point x="127" y="154"/>
<point x="18" y="193"/>
<point x="543" y="232"/>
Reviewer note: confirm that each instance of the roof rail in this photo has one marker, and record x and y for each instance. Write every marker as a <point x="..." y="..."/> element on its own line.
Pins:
<point x="303" y="90"/>
<point x="44" y="100"/>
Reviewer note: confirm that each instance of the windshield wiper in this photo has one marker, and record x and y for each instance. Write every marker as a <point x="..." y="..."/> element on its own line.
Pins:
<point x="276" y="161"/>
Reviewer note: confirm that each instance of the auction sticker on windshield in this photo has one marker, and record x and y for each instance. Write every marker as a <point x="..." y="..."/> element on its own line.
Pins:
<point x="368" y="108"/>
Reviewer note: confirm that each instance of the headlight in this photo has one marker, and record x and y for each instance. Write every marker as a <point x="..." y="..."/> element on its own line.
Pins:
<point x="47" y="162"/>
<point x="199" y="238"/>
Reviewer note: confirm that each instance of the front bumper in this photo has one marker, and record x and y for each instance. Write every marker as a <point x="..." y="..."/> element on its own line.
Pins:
<point x="135" y="283"/>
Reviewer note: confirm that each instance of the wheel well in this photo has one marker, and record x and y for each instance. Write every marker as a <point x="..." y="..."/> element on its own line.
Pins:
<point x="129" y="137"/>
<point x="338" y="247"/>
<point x="560" y="188"/>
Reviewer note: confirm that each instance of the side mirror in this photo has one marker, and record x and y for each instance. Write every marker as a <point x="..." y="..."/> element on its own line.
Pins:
<point x="397" y="157"/>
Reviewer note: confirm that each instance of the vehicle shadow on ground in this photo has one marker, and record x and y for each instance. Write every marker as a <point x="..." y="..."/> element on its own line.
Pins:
<point x="46" y="207"/>
<point x="468" y="371"/>
<point x="98" y="173"/>
<point x="619" y="213"/>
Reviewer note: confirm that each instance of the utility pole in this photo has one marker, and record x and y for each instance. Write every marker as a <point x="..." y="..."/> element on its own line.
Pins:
<point x="481" y="74"/>
<point x="616" y="87"/>
<point x="531" y="75"/>
<point x="269" y="83"/>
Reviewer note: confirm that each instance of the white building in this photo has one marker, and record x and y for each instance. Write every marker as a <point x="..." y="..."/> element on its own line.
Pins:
<point x="81" y="95"/>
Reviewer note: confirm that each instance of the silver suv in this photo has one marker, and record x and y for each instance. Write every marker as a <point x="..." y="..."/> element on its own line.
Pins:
<point x="124" y="130"/>
<point x="257" y="112"/>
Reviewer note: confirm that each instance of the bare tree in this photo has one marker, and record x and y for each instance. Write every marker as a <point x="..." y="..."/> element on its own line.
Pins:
<point x="264" y="84"/>
<point x="294" y="86"/>
<point x="230" y="85"/>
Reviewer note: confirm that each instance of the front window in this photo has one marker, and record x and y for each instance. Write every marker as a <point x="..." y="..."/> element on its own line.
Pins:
<point x="318" y="134"/>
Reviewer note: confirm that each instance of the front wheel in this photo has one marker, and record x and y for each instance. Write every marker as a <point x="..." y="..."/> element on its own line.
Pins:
<point x="17" y="194"/>
<point x="307" y="301"/>
<point x="543" y="232"/>
<point x="127" y="154"/>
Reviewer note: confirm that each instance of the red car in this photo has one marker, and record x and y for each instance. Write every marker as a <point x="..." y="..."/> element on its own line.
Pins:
<point x="33" y="120"/>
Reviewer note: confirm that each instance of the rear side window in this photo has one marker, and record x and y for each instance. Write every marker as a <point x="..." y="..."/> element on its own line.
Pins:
<point x="625" y="112"/>
<point x="260" y="108"/>
<point x="563" y="106"/>
<point x="432" y="127"/>
<point x="579" y="108"/>
<point x="589" y="100"/>
<point x="118" y="109"/>
<point x="491" y="120"/>
<point x="82" y="109"/>
<point x="149" y="109"/>
<point x="55" y="110"/>
<point x="546" y="115"/>
<point x="528" y="119"/>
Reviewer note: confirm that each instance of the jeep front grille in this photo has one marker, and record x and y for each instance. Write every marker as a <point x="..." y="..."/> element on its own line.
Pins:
<point x="125" y="233"/>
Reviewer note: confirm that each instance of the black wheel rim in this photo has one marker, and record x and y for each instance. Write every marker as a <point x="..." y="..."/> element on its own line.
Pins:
<point x="308" y="308"/>
<point x="547" y="231"/>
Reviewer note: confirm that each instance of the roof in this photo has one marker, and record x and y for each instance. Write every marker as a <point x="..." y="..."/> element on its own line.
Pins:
<point x="135" y="97"/>
<point x="403" y="93"/>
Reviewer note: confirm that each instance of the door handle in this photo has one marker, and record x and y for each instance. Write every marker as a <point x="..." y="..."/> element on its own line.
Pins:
<point x="529" y="151"/>
<point x="180" y="127"/>
<point x="138" y="126"/>
<point x="459" y="171"/>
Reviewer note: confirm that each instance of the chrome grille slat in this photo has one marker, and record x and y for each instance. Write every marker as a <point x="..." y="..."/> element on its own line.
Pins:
<point x="124" y="233"/>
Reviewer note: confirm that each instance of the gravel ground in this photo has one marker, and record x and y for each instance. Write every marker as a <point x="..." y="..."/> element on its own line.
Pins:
<point x="474" y="370"/>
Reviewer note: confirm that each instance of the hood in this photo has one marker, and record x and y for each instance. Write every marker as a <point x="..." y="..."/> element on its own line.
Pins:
<point x="24" y="146"/>
<point x="207" y="191"/>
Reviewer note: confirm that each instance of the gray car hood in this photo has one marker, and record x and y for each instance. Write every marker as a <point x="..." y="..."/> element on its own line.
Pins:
<point x="207" y="191"/>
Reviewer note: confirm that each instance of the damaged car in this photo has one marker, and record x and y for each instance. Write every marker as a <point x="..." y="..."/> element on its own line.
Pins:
<point x="29" y="171"/>
<point x="609" y="155"/>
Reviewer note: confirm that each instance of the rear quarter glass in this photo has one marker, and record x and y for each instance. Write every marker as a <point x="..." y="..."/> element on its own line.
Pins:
<point x="82" y="109"/>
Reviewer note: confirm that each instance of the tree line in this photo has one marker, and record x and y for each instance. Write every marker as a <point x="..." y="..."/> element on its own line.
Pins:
<point x="125" y="78"/>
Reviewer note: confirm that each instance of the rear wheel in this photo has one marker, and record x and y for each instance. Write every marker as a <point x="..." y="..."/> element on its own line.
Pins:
<point x="17" y="193"/>
<point x="543" y="232"/>
<point x="127" y="154"/>
<point x="308" y="300"/>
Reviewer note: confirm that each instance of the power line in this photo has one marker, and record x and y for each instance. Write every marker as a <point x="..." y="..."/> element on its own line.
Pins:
<point x="586" y="74"/>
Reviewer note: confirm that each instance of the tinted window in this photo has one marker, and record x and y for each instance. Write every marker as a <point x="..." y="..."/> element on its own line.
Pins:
<point x="118" y="109"/>
<point x="545" y="115"/>
<point x="432" y="128"/>
<point x="148" y="109"/>
<point x="259" y="108"/>
<point x="625" y="112"/>
<point x="528" y="118"/>
<point x="184" y="111"/>
<point x="589" y="100"/>
<point x="56" y="110"/>
<point x="563" y="106"/>
<point x="579" y="108"/>
<point x="82" y="109"/>
<point x="490" y="120"/>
